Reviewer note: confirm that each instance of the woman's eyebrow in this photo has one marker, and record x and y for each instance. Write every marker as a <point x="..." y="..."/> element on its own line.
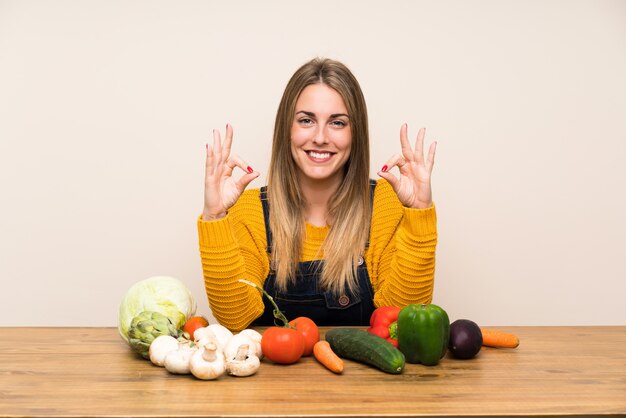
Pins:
<point x="311" y="114"/>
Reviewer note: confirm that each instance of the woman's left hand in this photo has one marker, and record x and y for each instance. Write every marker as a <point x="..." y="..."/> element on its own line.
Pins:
<point x="413" y="186"/>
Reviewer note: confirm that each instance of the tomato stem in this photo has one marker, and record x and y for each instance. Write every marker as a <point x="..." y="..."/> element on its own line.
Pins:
<point x="277" y="313"/>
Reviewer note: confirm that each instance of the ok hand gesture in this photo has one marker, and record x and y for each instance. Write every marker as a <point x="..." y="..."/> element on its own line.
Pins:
<point x="413" y="186"/>
<point x="221" y="190"/>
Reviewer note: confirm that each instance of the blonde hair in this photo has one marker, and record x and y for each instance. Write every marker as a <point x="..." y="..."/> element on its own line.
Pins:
<point x="349" y="209"/>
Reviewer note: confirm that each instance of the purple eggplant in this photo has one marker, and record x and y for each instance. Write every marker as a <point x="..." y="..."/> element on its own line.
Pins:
<point x="465" y="339"/>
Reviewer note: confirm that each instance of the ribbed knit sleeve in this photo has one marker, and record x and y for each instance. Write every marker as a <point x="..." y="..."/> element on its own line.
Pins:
<point x="401" y="257"/>
<point x="234" y="248"/>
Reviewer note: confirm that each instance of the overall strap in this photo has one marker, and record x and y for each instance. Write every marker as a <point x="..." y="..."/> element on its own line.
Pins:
<point x="266" y="218"/>
<point x="372" y="187"/>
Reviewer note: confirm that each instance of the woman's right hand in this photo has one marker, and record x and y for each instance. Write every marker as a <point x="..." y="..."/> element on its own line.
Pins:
<point x="221" y="190"/>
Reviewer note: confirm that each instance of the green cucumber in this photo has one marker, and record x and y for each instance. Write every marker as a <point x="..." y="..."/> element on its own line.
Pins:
<point x="356" y="344"/>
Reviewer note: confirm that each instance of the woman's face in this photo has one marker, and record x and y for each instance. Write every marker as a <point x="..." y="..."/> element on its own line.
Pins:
<point x="321" y="137"/>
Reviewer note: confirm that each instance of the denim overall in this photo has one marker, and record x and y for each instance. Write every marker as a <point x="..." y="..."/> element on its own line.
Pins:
<point x="304" y="297"/>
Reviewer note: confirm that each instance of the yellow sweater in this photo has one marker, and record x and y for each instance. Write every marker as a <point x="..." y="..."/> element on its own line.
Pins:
<point x="400" y="259"/>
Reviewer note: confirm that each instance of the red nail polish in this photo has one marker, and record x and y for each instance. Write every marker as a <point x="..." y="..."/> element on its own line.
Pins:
<point x="384" y="169"/>
<point x="250" y="170"/>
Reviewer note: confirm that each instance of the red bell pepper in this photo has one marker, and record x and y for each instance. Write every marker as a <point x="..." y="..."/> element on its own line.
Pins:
<point x="383" y="323"/>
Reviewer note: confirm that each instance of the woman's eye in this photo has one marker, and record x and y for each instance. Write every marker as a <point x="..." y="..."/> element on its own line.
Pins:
<point x="338" y="123"/>
<point x="305" y="121"/>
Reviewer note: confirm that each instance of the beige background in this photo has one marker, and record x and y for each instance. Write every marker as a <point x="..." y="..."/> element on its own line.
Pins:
<point x="105" y="107"/>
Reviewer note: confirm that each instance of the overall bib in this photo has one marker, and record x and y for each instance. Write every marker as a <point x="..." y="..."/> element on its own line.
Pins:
<point x="305" y="297"/>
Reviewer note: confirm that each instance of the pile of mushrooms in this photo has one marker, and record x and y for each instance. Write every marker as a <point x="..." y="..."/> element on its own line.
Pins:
<point x="214" y="351"/>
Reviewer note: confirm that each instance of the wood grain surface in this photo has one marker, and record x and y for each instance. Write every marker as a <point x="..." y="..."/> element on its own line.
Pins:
<point x="574" y="371"/>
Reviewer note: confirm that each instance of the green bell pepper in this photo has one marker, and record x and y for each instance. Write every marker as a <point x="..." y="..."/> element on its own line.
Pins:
<point x="423" y="333"/>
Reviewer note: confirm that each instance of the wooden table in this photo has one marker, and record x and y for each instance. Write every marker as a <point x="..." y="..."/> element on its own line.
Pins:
<point x="91" y="372"/>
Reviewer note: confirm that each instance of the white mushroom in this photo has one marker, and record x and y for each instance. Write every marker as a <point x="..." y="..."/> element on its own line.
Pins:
<point x="215" y="332"/>
<point x="237" y="341"/>
<point x="222" y="334"/>
<point x="204" y="335"/>
<point x="161" y="347"/>
<point x="177" y="361"/>
<point x="244" y="363"/>
<point x="256" y="337"/>
<point x="207" y="363"/>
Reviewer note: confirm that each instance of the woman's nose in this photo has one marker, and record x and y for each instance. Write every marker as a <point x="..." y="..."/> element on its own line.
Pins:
<point x="320" y="137"/>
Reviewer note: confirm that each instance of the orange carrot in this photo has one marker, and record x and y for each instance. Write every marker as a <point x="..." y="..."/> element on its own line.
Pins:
<point x="500" y="339"/>
<point x="325" y="355"/>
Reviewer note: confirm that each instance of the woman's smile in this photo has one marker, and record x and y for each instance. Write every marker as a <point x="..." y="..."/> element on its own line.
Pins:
<point x="319" y="156"/>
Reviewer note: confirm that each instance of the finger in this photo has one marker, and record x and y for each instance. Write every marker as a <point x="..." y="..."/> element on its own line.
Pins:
<point x="210" y="166"/>
<point x="404" y="142"/>
<point x="393" y="181"/>
<point x="419" y="146"/>
<point x="228" y="142"/>
<point x="396" y="160"/>
<point x="246" y="179"/>
<point x="217" y="146"/>
<point x="431" y="156"/>
<point x="236" y="161"/>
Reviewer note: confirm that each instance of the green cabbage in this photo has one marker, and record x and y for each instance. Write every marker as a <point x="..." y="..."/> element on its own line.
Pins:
<point x="163" y="294"/>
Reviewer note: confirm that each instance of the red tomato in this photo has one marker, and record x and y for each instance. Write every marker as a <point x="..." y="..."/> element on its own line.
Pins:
<point x="310" y="332"/>
<point x="282" y="345"/>
<point x="193" y="324"/>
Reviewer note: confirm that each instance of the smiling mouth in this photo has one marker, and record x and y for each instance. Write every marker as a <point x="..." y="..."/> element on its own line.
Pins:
<point x="319" y="156"/>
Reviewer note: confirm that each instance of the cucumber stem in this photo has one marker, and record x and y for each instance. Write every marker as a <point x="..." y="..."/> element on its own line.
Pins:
<point x="277" y="313"/>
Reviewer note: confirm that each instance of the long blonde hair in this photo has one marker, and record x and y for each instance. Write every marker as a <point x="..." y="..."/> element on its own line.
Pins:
<point x="349" y="208"/>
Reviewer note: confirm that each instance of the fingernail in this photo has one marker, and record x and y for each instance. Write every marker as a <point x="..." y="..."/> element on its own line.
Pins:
<point x="250" y="170"/>
<point x="207" y="146"/>
<point x="384" y="169"/>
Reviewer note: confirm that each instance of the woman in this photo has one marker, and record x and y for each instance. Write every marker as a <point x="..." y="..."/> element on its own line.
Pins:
<point x="322" y="238"/>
